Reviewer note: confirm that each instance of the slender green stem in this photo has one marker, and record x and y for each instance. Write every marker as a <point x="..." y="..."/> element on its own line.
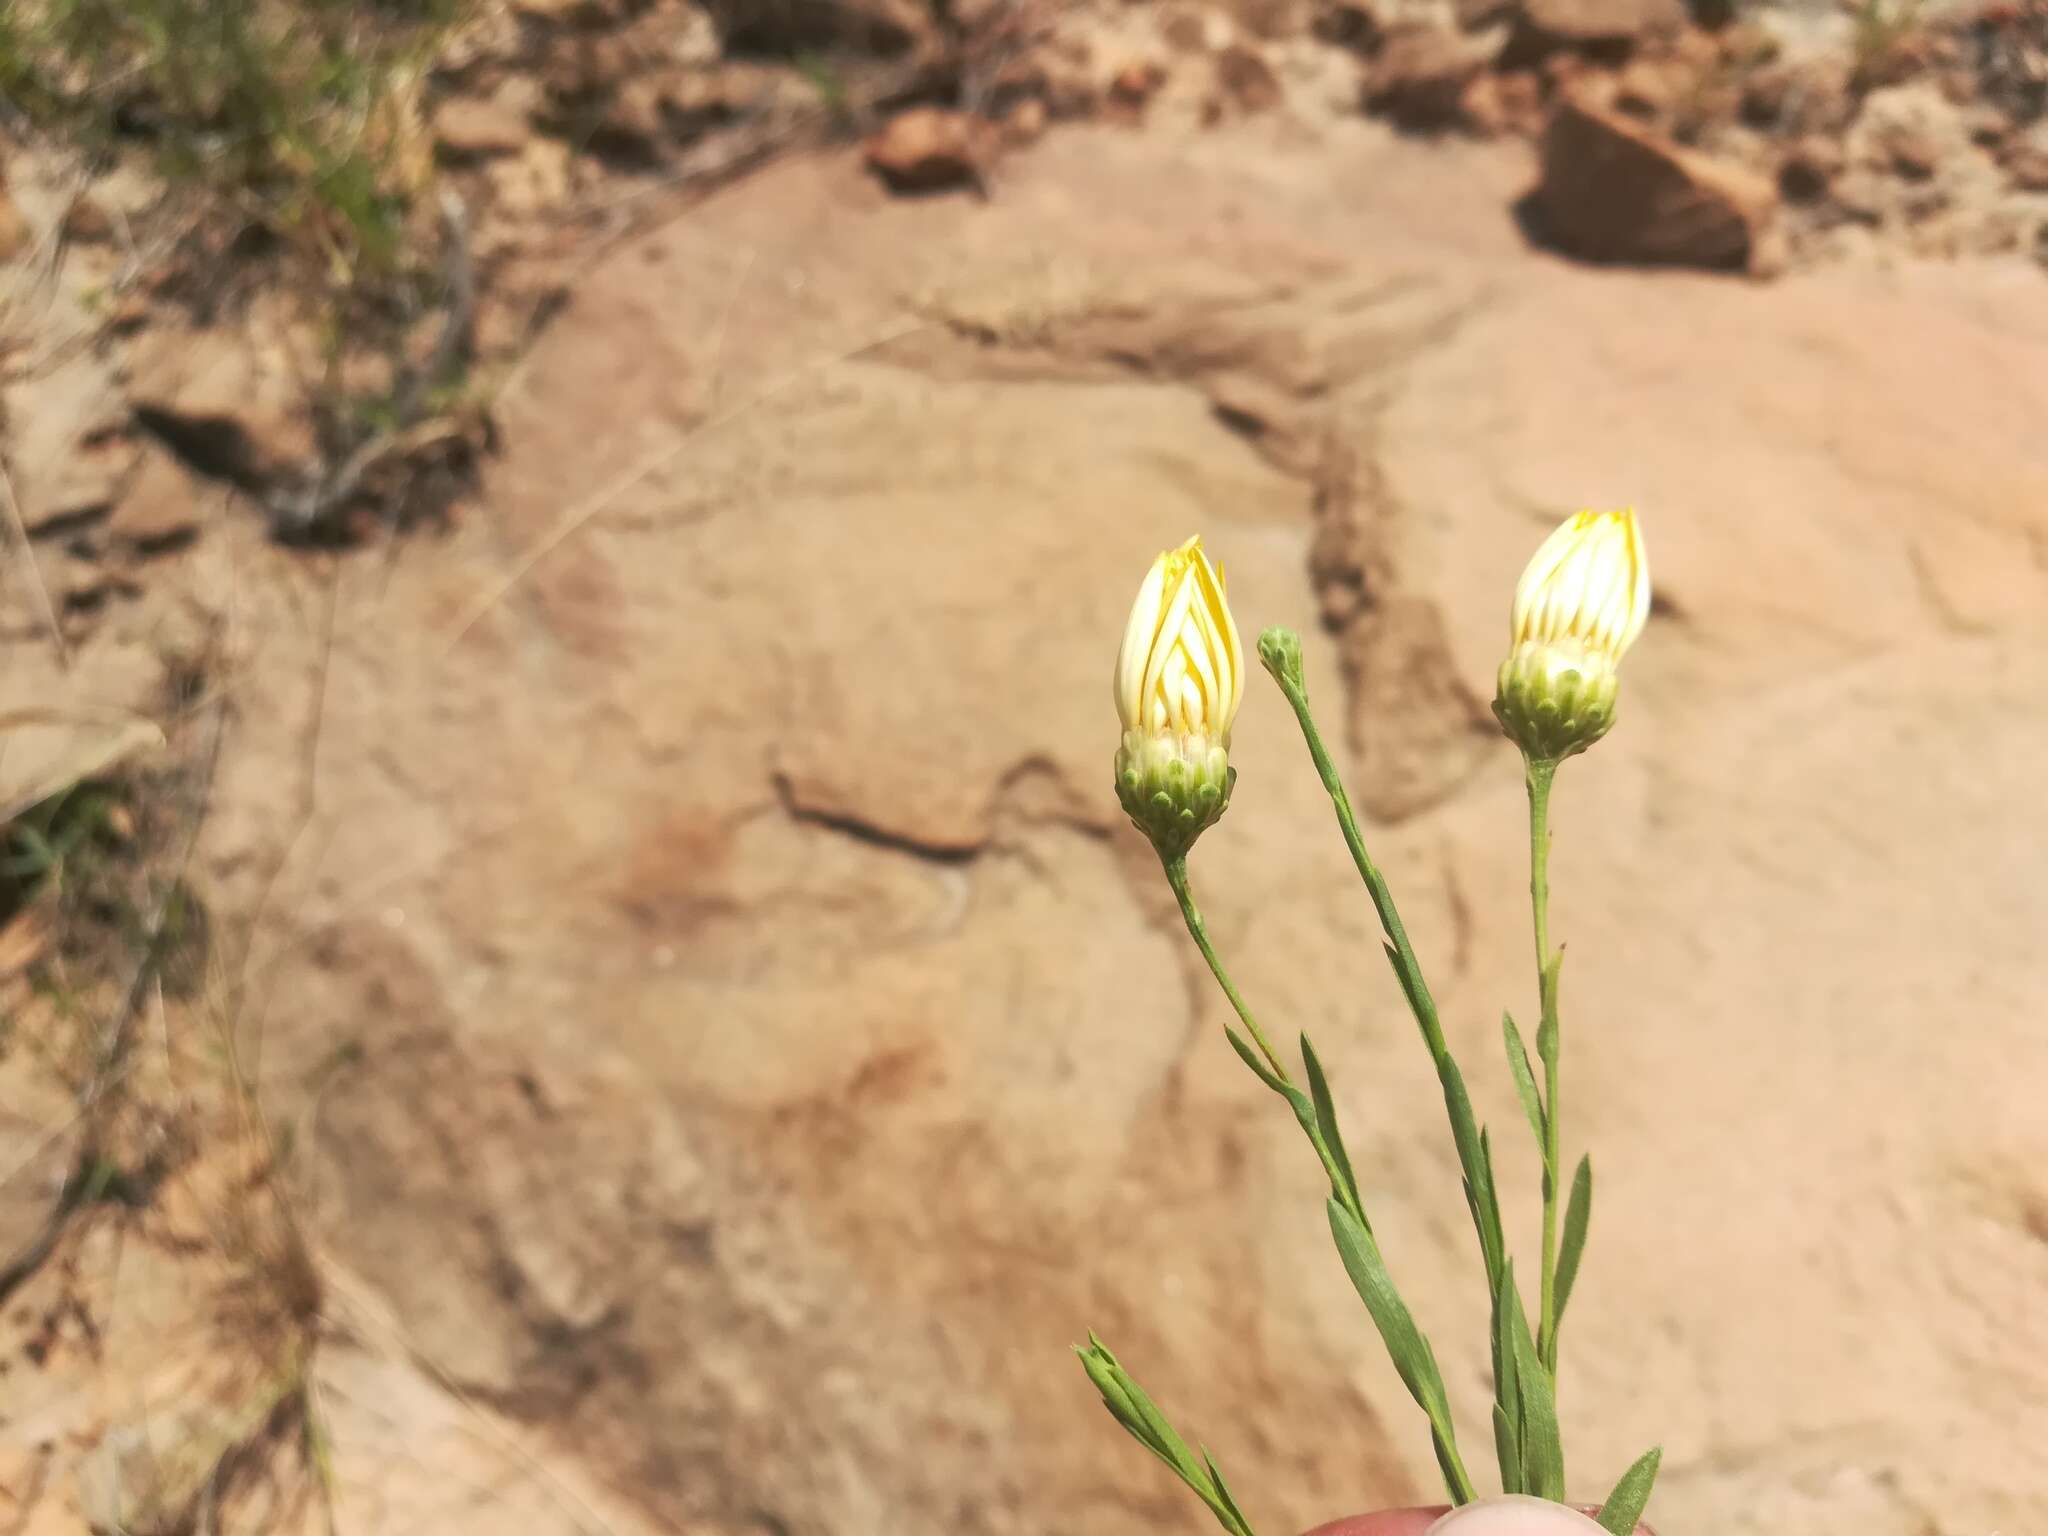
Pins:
<point x="1281" y="653"/>
<point x="1369" y="872"/>
<point x="1177" y="877"/>
<point x="1317" y="1118"/>
<point x="1540" y="773"/>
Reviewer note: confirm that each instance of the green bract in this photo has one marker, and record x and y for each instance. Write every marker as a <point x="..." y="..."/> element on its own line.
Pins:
<point x="1173" y="787"/>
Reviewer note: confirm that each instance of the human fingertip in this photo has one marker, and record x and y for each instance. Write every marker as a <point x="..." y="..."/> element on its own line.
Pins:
<point x="1515" y="1515"/>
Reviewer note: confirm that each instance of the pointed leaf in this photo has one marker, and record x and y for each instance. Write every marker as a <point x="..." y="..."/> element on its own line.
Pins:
<point x="1507" y="1451"/>
<point x="1251" y="1059"/>
<point x="1225" y="1505"/>
<point x="1578" y="1211"/>
<point x="1446" y="1462"/>
<point x="1525" y="1080"/>
<point x="1480" y="1193"/>
<point x="1473" y="1161"/>
<point x="1494" y="1237"/>
<point x="1542" y="1452"/>
<point x="1326" y="1117"/>
<point x="1113" y="1395"/>
<point x="1135" y="1410"/>
<point x="1416" y="1004"/>
<point x="1410" y="1351"/>
<point x="1624" y="1507"/>
<point x="1507" y="1390"/>
<point x="1129" y="1405"/>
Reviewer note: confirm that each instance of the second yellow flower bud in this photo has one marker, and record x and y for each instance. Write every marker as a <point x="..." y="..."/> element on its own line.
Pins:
<point x="1581" y="603"/>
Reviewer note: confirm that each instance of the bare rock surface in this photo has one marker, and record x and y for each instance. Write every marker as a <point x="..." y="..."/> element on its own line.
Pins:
<point x="734" y="1047"/>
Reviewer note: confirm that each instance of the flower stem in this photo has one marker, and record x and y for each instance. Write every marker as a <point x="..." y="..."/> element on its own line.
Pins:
<point x="1280" y="650"/>
<point x="1540" y="772"/>
<point x="1177" y="877"/>
<point x="1405" y="963"/>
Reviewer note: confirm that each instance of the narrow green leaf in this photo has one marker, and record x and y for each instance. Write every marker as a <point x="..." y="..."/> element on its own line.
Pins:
<point x="1251" y="1059"/>
<point x="1624" y="1507"/>
<point x="1335" y="1164"/>
<point x="1225" y="1505"/>
<point x="1578" y="1211"/>
<point x="1447" y="1463"/>
<point x="1104" y="1377"/>
<point x="1507" y="1389"/>
<point x="1494" y="1231"/>
<point x="1546" y="1027"/>
<point x="1173" y="1450"/>
<point x="1368" y="1271"/>
<point x="1542" y="1451"/>
<point x="1326" y="1117"/>
<point x="1135" y="1410"/>
<point x="1525" y="1080"/>
<point x="1475" y="1160"/>
<point x="1131" y="1407"/>
<point x="1480" y="1193"/>
<point x="1419" y="1001"/>
<point x="1507" y="1451"/>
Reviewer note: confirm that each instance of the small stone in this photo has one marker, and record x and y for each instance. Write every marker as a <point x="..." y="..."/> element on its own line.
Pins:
<point x="1274" y="18"/>
<point x="889" y="28"/>
<point x="1195" y="29"/>
<point x="635" y="124"/>
<point x="1988" y="127"/>
<point x="2026" y="166"/>
<point x="1137" y="82"/>
<point x="929" y="149"/>
<point x="128" y="313"/>
<point x="1915" y="155"/>
<point x="1473" y="15"/>
<point x="1547" y="24"/>
<point x="1419" y="78"/>
<point x="1612" y="191"/>
<point x="1025" y="122"/>
<point x="1809" y="169"/>
<point x="1649" y="88"/>
<point x="1244" y="76"/>
<point x="467" y="128"/>
<point x="1349" y="24"/>
<point x="87" y="222"/>
<point x="1504" y="102"/>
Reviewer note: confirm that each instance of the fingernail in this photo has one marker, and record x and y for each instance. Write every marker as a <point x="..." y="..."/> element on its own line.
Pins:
<point x="1516" y="1514"/>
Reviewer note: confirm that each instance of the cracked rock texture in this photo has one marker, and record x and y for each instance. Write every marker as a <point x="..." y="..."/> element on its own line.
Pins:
<point x="735" y="1046"/>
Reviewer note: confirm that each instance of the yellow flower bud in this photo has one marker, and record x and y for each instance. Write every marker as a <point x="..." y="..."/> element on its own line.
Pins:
<point x="1578" y="607"/>
<point x="1179" y="680"/>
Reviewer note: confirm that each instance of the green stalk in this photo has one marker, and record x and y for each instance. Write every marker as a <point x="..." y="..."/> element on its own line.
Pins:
<point x="1540" y="773"/>
<point x="1363" y="1261"/>
<point x="1177" y="877"/>
<point x="1280" y="651"/>
<point x="1405" y="962"/>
